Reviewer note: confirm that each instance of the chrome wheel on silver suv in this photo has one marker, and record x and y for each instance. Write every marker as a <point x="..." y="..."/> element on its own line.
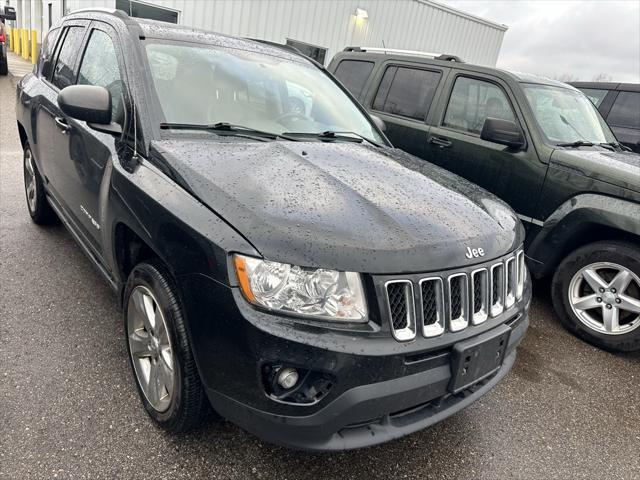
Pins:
<point x="596" y="294"/>
<point x="606" y="298"/>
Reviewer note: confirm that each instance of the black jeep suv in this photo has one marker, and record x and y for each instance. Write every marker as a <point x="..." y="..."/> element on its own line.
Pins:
<point x="314" y="285"/>
<point x="541" y="146"/>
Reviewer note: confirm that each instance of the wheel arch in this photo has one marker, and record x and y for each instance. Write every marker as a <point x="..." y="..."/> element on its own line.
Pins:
<point x="580" y="221"/>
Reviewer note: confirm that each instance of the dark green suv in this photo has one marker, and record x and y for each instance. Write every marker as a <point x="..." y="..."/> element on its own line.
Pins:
<point x="541" y="146"/>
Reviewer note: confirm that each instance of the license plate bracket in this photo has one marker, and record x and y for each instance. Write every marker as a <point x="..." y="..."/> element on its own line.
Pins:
<point x="477" y="358"/>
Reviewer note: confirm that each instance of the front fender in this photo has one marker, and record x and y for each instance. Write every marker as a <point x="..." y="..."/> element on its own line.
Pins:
<point x="580" y="215"/>
<point x="187" y="236"/>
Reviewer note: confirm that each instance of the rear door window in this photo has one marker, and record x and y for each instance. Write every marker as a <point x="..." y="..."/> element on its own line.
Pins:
<point x="64" y="72"/>
<point x="625" y="111"/>
<point x="596" y="95"/>
<point x="407" y="92"/>
<point x="354" y="75"/>
<point x="472" y="101"/>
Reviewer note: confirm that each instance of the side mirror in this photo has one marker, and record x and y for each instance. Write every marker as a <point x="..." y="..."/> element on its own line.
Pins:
<point x="91" y="104"/>
<point x="503" y="132"/>
<point x="379" y="122"/>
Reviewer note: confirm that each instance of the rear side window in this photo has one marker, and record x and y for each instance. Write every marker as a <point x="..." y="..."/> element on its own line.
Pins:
<point x="354" y="74"/>
<point x="407" y="92"/>
<point x="63" y="73"/>
<point x="100" y="67"/>
<point x="472" y="101"/>
<point x="625" y="111"/>
<point x="596" y="95"/>
<point x="46" y="54"/>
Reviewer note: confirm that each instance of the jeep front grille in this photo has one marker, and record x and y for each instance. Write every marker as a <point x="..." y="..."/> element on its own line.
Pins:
<point x="454" y="300"/>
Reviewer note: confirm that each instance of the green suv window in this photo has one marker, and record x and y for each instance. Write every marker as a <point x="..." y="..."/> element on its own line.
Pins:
<point x="407" y="92"/>
<point x="472" y="101"/>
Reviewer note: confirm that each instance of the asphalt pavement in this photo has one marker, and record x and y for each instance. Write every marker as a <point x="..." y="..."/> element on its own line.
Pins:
<point x="69" y="408"/>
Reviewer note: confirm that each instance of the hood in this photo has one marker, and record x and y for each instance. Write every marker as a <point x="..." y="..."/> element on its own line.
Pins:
<point x="343" y="206"/>
<point x="618" y="168"/>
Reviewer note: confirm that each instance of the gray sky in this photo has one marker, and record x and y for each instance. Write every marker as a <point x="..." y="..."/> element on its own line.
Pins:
<point x="571" y="40"/>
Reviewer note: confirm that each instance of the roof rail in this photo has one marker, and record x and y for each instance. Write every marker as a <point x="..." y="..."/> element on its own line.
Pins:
<point x="436" y="56"/>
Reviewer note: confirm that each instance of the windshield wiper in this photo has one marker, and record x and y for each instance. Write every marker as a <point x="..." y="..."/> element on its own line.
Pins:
<point x="228" y="128"/>
<point x="615" y="145"/>
<point x="577" y="143"/>
<point x="331" y="135"/>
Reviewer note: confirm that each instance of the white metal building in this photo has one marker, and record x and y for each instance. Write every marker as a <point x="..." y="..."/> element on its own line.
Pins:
<point x="326" y="25"/>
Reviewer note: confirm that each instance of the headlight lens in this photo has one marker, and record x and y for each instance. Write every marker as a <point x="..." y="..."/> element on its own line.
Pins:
<point x="313" y="292"/>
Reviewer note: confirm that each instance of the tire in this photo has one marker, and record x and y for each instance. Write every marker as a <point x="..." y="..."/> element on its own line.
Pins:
<point x="180" y="403"/>
<point x="587" y="302"/>
<point x="37" y="203"/>
<point x="4" y="66"/>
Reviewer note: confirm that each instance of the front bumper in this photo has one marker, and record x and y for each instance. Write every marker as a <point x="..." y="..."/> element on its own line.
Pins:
<point x="367" y="415"/>
<point x="383" y="389"/>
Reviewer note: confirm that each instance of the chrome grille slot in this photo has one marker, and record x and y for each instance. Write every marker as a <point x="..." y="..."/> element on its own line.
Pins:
<point x="510" y="282"/>
<point x="497" y="289"/>
<point x="521" y="274"/>
<point x="458" y="302"/>
<point x="401" y="309"/>
<point x="480" y="295"/>
<point x="432" y="296"/>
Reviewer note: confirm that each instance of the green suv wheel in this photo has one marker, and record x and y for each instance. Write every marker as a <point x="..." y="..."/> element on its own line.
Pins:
<point x="596" y="293"/>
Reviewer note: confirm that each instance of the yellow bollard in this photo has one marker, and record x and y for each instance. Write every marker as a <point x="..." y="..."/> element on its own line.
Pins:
<point x="17" y="41"/>
<point x="25" y="45"/>
<point x="34" y="46"/>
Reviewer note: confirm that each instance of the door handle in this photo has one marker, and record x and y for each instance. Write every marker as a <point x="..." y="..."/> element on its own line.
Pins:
<point x="441" y="142"/>
<point x="62" y="124"/>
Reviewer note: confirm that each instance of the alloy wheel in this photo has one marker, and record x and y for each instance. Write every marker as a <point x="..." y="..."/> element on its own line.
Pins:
<point x="606" y="298"/>
<point x="150" y="348"/>
<point x="30" y="180"/>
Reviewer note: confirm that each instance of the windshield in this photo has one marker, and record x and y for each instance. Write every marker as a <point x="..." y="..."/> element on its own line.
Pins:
<point x="566" y="115"/>
<point x="205" y="84"/>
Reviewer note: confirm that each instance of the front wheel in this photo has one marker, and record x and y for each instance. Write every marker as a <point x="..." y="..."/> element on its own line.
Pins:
<point x="596" y="293"/>
<point x="159" y="350"/>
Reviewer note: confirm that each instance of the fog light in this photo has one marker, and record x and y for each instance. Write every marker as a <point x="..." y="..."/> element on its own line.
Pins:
<point x="287" y="378"/>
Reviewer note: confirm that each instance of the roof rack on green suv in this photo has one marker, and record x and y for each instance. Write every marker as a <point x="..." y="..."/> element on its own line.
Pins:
<point x="541" y="146"/>
<point x="395" y="51"/>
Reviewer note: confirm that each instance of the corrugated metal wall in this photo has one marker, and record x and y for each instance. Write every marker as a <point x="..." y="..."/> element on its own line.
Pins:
<point x="405" y="24"/>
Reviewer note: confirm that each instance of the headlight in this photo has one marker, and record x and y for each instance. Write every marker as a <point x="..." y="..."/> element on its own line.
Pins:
<point x="312" y="292"/>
